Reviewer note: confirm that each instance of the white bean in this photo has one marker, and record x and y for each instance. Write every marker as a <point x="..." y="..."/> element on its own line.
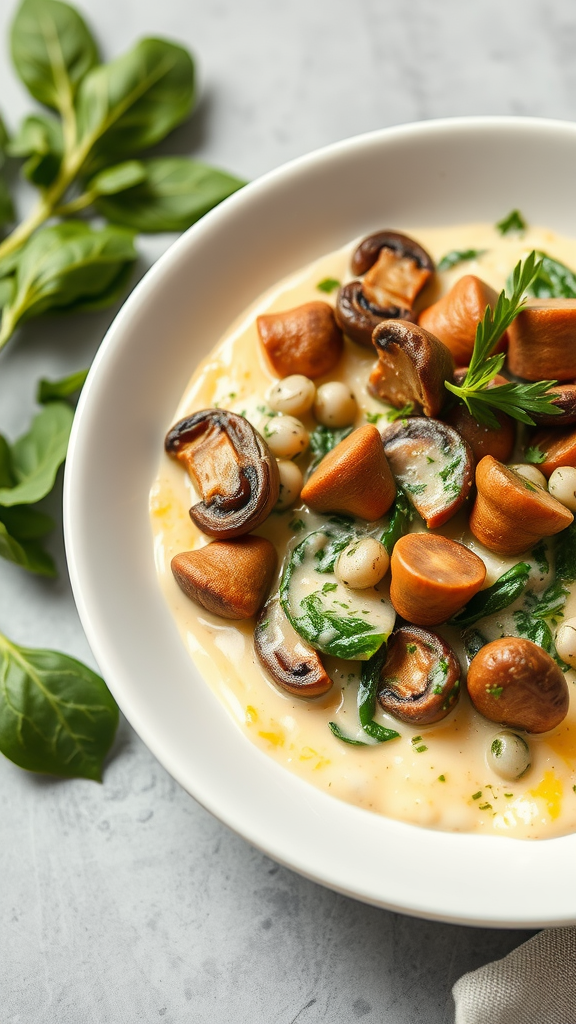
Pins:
<point x="562" y="486"/>
<point x="291" y="483"/>
<point x="531" y="473"/>
<point x="566" y="641"/>
<point x="508" y="755"/>
<point x="335" y="405"/>
<point x="293" y="395"/>
<point x="362" y="564"/>
<point x="286" y="436"/>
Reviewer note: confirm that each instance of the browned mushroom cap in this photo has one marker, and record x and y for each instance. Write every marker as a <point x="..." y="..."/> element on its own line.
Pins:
<point x="516" y="683"/>
<point x="433" y="577"/>
<point x="396" y="268"/>
<point x="353" y="479"/>
<point x="565" y="400"/>
<point x="286" y="657"/>
<point x="233" y="468"/>
<point x="432" y="463"/>
<point x="542" y="340"/>
<point x="455" y="317"/>
<point x="496" y="441"/>
<point x="420" y="679"/>
<point x="358" y="317"/>
<point x="412" y="367"/>
<point x="230" y="578"/>
<point x="510" y="513"/>
<point x="303" y="340"/>
<point x="558" y="448"/>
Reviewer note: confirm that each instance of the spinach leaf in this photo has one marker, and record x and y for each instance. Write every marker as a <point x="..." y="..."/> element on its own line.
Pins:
<point x="323" y="440"/>
<point x="456" y="256"/>
<point x="56" y="715"/>
<point x="134" y="101"/>
<point x="367" y="693"/>
<point x="337" y="732"/>
<point x="176" y="192"/>
<point x="554" y="280"/>
<point x="55" y="390"/>
<point x="401" y="516"/>
<point x="551" y="602"/>
<point x="68" y="266"/>
<point x="6" y="205"/>
<point x="565" y="554"/>
<point x="349" y="637"/>
<point x="40" y="139"/>
<point x="52" y="50"/>
<point x="535" y="630"/>
<point x="327" y="556"/>
<point x="27" y="553"/>
<point x="513" y="222"/>
<point x="118" y="178"/>
<point x="37" y="456"/>
<point x="502" y="593"/>
<point x="540" y="556"/>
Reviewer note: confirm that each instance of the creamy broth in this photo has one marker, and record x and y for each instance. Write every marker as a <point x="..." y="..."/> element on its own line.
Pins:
<point x="435" y="776"/>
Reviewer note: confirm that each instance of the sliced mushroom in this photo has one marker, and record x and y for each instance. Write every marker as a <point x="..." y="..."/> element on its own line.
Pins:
<point x="292" y="663"/>
<point x="433" y="577"/>
<point x="496" y="441"/>
<point x="542" y="340"/>
<point x="432" y="463"/>
<point x="510" y="513"/>
<point x="420" y="679"/>
<point x="230" y="578"/>
<point x="305" y="340"/>
<point x="232" y="467"/>
<point x="411" y="369"/>
<point x="357" y="317"/>
<point x="455" y="317"/>
<point x="558" y="448"/>
<point x="565" y="400"/>
<point x="354" y="478"/>
<point x="396" y="268"/>
<point x="516" y="683"/>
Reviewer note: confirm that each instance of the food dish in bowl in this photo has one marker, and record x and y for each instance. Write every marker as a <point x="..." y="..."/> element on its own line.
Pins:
<point x="475" y="170"/>
<point x="308" y="679"/>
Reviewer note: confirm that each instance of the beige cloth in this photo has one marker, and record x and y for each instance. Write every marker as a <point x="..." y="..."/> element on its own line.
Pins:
<point x="534" y="984"/>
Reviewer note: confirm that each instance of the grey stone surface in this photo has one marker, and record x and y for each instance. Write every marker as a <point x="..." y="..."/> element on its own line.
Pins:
<point x="128" y="902"/>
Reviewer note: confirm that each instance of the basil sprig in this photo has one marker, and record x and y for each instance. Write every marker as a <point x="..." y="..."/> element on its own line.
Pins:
<point x="84" y="154"/>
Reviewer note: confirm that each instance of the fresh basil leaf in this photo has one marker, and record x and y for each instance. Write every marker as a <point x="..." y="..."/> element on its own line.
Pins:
<point x="69" y="265"/>
<point x="456" y="256"/>
<point x="554" y="280"/>
<point x="135" y="101"/>
<point x="40" y="139"/>
<point x="175" y="194"/>
<point x="56" y="715"/>
<point x="55" y="390"/>
<point x="502" y="593"/>
<point x="367" y="693"/>
<point x="25" y="523"/>
<point x="117" y="178"/>
<point x="37" y="456"/>
<point x="513" y="222"/>
<point x="52" y="50"/>
<point x="27" y="553"/>
<point x="400" y="517"/>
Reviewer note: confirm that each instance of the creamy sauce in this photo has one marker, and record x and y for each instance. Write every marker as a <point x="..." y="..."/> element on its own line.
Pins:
<point x="435" y="776"/>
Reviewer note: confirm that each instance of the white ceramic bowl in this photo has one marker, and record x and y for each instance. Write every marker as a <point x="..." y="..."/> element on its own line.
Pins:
<point x="422" y="174"/>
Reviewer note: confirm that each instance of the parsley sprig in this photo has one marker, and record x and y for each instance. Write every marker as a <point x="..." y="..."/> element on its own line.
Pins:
<point x="517" y="400"/>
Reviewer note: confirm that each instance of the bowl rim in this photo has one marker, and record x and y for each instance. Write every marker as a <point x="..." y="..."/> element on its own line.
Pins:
<point x="113" y="663"/>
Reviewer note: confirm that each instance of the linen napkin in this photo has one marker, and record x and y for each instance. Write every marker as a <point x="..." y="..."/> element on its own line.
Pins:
<point x="534" y="984"/>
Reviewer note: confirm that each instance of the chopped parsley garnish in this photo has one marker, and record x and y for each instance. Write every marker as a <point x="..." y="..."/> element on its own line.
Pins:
<point x="495" y="691"/>
<point x="374" y="417"/>
<point x="411" y="648"/>
<point x="456" y="256"/>
<point x="533" y="454"/>
<point x="484" y="807"/>
<point x="513" y="222"/>
<point x="441" y="778"/>
<point x="398" y="414"/>
<point x="328" y="284"/>
<point x="297" y="525"/>
<point x="476" y="796"/>
<point x="328" y="587"/>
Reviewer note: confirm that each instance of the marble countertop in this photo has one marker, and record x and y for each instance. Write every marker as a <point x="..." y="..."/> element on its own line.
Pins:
<point x="128" y="902"/>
